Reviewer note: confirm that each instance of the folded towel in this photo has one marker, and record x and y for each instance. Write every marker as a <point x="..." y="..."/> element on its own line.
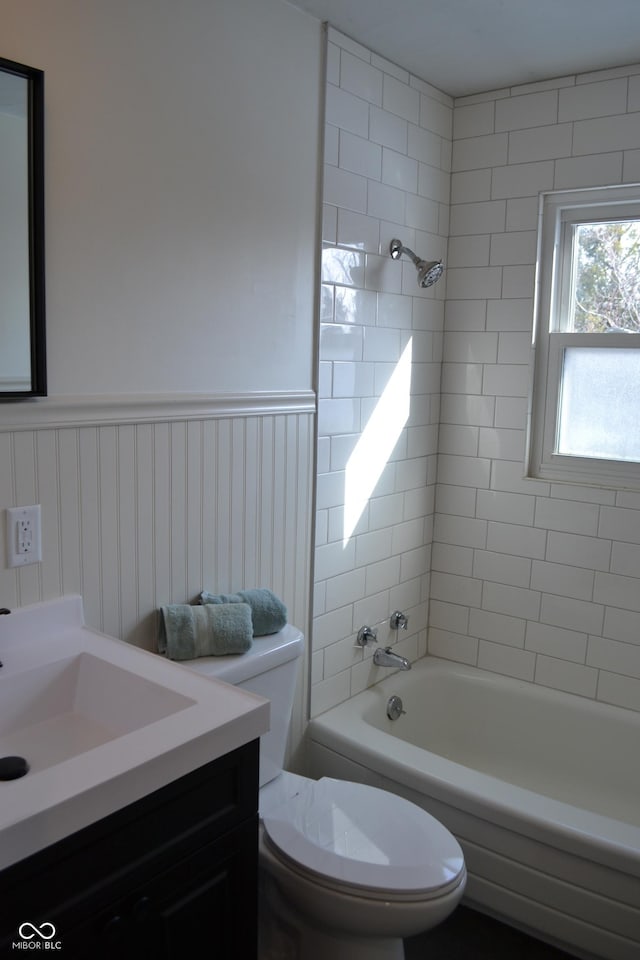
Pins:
<point x="268" y="613"/>
<point x="187" y="632"/>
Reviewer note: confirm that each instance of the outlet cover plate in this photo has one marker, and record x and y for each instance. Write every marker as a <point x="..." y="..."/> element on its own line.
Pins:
<point x="24" y="542"/>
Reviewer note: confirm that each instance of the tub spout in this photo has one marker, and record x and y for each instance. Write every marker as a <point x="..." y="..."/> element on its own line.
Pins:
<point x="387" y="658"/>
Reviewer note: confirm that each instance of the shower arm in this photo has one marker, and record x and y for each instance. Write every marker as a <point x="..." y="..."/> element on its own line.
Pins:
<point x="397" y="249"/>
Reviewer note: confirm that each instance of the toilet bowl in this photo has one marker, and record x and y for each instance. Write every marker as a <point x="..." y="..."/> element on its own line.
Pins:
<point x="348" y="870"/>
<point x="360" y="868"/>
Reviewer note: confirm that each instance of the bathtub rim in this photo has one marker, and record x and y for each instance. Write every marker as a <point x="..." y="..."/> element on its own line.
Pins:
<point x="593" y="836"/>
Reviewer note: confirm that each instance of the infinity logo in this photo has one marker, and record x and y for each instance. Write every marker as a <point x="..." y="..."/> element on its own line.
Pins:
<point x="37" y="931"/>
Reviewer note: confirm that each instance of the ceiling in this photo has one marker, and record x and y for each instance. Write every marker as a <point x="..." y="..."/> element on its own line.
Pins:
<point x="469" y="46"/>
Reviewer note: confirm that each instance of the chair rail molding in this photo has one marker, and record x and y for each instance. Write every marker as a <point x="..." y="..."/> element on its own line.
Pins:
<point x="85" y="411"/>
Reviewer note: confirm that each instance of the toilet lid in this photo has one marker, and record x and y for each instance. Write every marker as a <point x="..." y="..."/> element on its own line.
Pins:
<point x="366" y="837"/>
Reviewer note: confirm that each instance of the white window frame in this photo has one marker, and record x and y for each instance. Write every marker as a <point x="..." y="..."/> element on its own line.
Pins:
<point x="558" y="212"/>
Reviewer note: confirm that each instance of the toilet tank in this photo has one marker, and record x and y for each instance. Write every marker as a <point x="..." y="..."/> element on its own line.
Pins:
<point x="270" y="669"/>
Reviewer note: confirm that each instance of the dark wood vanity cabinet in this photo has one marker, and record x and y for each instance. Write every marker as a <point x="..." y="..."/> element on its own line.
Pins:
<point x="173" y="875"/>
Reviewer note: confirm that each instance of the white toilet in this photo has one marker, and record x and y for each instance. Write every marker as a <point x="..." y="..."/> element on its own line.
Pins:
<point x="350" y="870"/>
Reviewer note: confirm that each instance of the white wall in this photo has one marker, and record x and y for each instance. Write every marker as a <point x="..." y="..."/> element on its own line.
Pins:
<point x="181" y="176"/>
<point x="181" y="168"/>
<point x="181" y="193"/>
<point x="536" y="580"/>
<point x="387" y="153"/>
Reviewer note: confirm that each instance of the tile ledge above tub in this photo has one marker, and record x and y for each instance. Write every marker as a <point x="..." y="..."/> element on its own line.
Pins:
<point x="79" y="411"/>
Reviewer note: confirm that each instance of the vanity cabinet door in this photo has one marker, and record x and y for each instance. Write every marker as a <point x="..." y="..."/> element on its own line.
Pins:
<point x="205" y="905"/>
<point x="171" y="876"/>
<point x="214" y="913"/>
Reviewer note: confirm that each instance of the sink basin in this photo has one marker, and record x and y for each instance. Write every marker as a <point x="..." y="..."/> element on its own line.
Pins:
<point x="100" y="723"/>
<point x="61" y="709"/>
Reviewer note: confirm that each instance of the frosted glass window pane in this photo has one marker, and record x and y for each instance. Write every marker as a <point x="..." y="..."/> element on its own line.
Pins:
<point x="599" y="412"/>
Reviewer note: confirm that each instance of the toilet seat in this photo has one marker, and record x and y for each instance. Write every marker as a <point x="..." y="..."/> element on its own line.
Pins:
<point x="360" y="838"/>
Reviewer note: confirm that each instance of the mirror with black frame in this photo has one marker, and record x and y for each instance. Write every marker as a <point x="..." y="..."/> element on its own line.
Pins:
<point x="23" y="371"/>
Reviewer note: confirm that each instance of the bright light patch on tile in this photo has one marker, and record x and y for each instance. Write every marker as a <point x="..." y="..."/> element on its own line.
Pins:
<point x="375" y="446"/>
<point x="341" y="266"/>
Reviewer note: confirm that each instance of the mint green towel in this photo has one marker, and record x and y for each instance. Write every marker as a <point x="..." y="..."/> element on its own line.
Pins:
<point x="268" y="612"/>
<point x="187" y="631"/>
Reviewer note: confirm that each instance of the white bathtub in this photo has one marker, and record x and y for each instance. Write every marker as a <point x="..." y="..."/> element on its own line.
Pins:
<point x="541" y="788"/>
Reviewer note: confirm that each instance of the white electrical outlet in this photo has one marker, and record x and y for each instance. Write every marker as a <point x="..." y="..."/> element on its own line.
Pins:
<point x="24" y="543"/>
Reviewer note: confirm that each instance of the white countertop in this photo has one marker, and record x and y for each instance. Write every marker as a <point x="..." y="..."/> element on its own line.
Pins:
<point x="211" y="719"/>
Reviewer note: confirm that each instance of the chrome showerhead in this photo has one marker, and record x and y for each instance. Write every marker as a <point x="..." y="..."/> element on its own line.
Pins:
<point x="429" y="271"/>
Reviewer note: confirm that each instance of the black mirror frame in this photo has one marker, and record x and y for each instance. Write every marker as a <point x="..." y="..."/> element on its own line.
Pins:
<point x="37" y="328"/>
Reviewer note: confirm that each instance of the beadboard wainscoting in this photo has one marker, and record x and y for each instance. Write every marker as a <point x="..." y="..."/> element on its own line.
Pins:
<point x="153" y="509"/>
<point x="138" y="514"/>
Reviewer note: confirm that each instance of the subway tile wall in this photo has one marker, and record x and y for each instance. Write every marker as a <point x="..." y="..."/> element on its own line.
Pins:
<point x="387" y="173"/>
<point x="536" y="580"/>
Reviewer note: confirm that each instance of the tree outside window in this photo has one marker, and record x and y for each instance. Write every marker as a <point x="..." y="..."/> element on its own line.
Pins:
<point x="607" y="278"/>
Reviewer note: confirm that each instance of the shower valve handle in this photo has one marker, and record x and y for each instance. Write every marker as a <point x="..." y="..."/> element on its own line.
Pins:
<point x="398" y="620"/>
<point x="366" y="635"/>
